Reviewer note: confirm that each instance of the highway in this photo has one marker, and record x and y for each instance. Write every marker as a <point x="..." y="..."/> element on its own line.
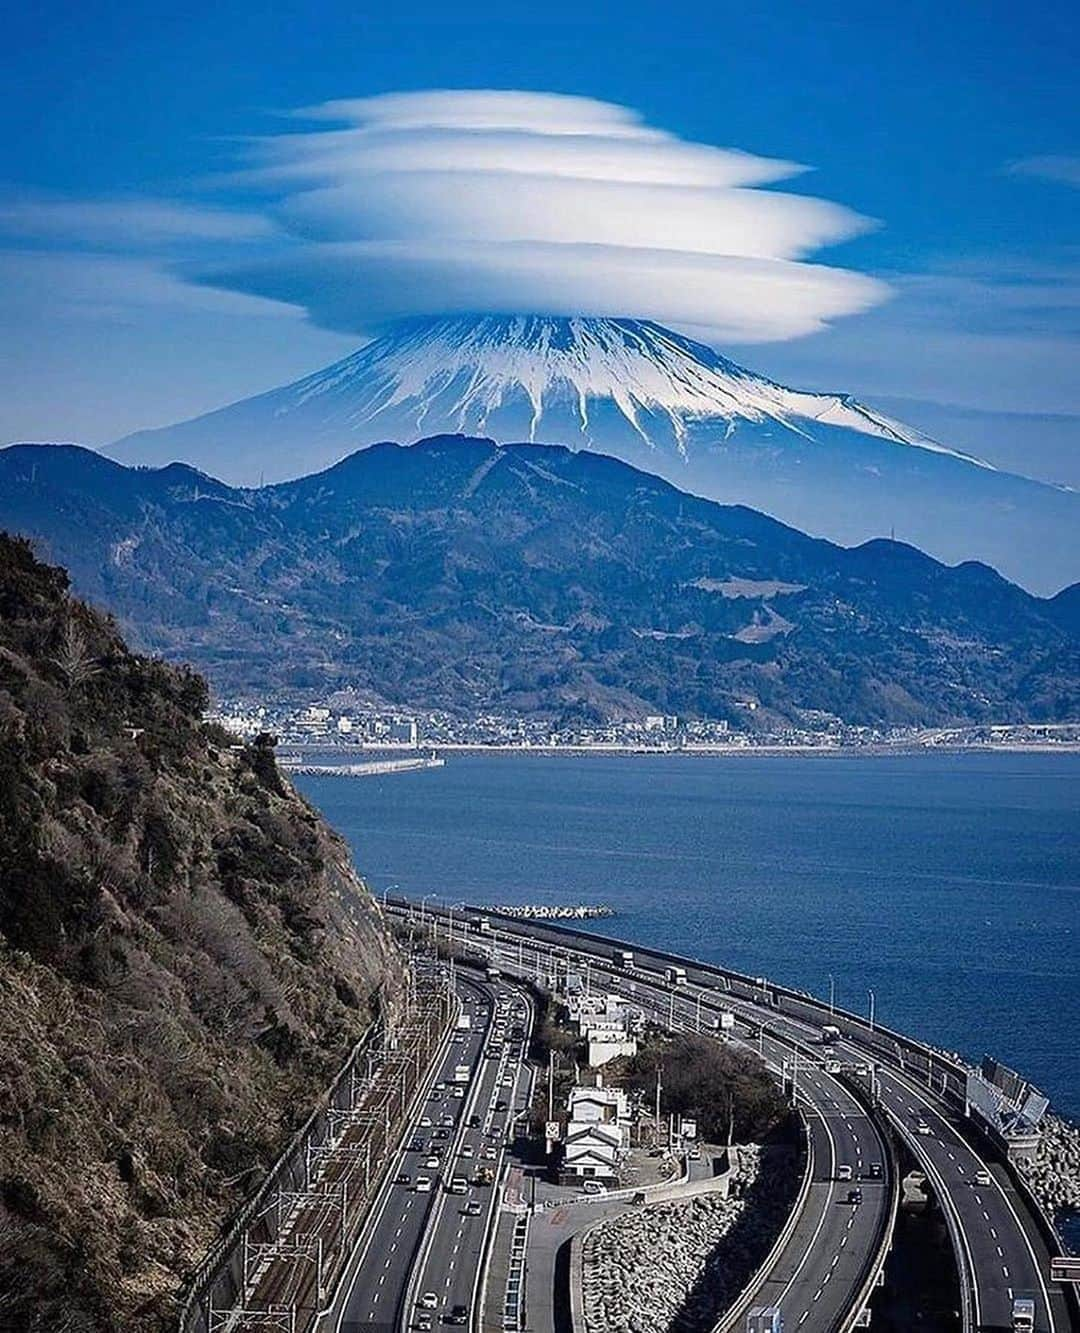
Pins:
<point x="1000" y="1251"/>
<point x="450" y="1264"/>
<point x="827" y="1255"/>
<point x="423" y="1245"/>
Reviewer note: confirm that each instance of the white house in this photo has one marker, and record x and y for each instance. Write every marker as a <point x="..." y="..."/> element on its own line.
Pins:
<point x="592" y="1151"/>
<point x="605" y="1045"/>
<point x="599" y="1105"/>
<point x="597" y="1132"/>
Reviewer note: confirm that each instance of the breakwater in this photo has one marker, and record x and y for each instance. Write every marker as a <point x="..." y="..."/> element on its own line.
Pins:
<point x="543" y="912"/>
<point x="369" y="768"/>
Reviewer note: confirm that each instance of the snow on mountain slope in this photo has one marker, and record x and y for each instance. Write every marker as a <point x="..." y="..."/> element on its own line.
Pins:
<point x="457" y="374"/>
<point x="631" y="388"/>
<point x="472" y="368"/>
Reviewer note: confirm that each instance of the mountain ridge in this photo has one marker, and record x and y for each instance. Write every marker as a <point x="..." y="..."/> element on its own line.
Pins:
<point x="825" y="463"/>
<point x="464" y="575"/>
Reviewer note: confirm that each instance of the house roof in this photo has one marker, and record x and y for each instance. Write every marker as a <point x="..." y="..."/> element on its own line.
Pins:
<point x="593" y="1131"/>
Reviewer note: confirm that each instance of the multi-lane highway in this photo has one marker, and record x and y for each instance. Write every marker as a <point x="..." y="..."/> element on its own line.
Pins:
<point x="827" y="1255"/>
<point x="422" y="1256"/>
<point x="419" y="1258"/>
<point x="448" y="1271"/>
<point x="1000" y="1250"/>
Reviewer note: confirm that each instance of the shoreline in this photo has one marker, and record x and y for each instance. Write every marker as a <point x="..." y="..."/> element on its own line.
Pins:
<point x="881" y="751"/>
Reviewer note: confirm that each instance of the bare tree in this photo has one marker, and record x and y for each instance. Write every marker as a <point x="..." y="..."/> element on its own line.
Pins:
<point x="74" y="657"/>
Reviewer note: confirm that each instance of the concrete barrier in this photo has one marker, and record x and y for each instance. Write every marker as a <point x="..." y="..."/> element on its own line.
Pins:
<point x="661" y="1193"/>
<point x="745" y="1300"/>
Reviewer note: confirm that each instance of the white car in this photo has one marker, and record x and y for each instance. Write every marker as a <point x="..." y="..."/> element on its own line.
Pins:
<point x="983" y="1177"/>
<point x="429" y="1301"/>
<point x="466" y="1150"/>
<point x="921" y="1127"/>
<point x="423" y="1186"/>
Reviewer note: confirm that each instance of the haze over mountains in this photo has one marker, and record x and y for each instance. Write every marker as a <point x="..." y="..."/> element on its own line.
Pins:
<point x="822" y="462"/>
<point x="536" y="580"/>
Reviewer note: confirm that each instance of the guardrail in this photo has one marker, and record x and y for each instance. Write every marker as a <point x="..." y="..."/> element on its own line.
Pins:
<point x="957" y="1236"/>
<point x="745" y="1300"/>
<point x="877" y="1266"/>
<point x="927" y="1060"/>
<point x="1051" y="1238"/>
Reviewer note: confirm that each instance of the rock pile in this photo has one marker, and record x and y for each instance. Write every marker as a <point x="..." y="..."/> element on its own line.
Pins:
<point x="676" y="1265"/>
<point x="1054" y="1176"/>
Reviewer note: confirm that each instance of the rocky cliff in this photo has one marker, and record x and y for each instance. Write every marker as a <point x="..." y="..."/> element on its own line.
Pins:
<point x="186" y="957"/>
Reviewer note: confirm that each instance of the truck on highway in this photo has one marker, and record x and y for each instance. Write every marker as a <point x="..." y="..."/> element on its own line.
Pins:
<point x="493" y="973"/>
<point x="676" y="976"/>
<point x="726" y="1021"/>
<point x="830" y="1034"/>
<point x="1023" y="1314"/>
<point x="482" y="924"/>
<point x="765" y="1319"/>
<point x="461" y="1073"/>
<point x="624" y="958"/>
<point x="464" y="1023"/>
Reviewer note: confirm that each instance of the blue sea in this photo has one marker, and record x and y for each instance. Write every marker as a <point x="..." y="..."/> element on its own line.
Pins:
<point x="949" y="885"/>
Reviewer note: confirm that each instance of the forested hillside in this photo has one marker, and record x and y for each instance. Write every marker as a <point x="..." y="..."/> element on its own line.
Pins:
<point x="186" y="957"/>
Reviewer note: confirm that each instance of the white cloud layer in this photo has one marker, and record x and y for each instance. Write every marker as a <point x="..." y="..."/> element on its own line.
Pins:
<point x="1060" y="167"/>
<point x="447" y="202"/>
<point x="125" y="224"/>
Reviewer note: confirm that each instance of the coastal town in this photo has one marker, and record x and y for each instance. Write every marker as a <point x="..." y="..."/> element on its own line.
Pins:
<point x="330" y="724"/>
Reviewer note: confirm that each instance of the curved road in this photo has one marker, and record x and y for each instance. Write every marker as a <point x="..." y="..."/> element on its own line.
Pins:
<point x="822" y="1266"/>
<point x="1000" y="1249"/>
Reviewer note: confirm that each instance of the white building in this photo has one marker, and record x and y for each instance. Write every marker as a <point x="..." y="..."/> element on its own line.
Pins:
<point x="597" y="1133"/>
<point x="591" y="1152"/>
<point x="607" y="1046"/>
<point x="599" y="1105"/>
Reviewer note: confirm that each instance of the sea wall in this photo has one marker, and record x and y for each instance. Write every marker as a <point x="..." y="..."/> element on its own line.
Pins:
<point x="683" y="1261"/>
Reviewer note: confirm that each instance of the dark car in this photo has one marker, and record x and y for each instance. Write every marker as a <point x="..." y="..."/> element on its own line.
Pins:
<point x="474" y="1121"/>
<point x="441" y="1134"/>
<point x="459" y="1314"/>
<point x="401" y="1178"/>
<point x="854" y="1196"/>
<point x="875" y="1170"/>
<point x="501" y="1105"/>
<point x="416" y="1145"/>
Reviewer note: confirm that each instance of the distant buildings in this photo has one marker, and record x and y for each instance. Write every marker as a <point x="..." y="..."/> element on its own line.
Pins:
<point x="336" y="721"/>
<point x="607" y="1023"/>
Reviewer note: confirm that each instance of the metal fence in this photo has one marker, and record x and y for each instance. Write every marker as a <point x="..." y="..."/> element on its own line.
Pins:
<point x="281" y="1256"/>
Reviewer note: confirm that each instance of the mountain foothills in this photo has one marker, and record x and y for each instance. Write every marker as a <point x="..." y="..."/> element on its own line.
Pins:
<point x="186" y="957"/>
<point x="662" y="402"/>
<point x="528" y="579"/>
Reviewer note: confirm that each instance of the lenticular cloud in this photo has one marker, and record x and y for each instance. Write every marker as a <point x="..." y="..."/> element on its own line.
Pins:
<point x="454" y="202"/>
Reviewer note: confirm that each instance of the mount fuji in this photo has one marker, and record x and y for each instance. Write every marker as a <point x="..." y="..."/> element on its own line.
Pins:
<point x="824" y="463"/>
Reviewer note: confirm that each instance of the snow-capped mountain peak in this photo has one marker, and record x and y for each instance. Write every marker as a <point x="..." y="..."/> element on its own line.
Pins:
<point x="462" y="374"/>
<point x="821" y="462"/>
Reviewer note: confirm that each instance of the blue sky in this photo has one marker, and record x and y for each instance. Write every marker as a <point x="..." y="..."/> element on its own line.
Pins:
<point x="954" y="129"/>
